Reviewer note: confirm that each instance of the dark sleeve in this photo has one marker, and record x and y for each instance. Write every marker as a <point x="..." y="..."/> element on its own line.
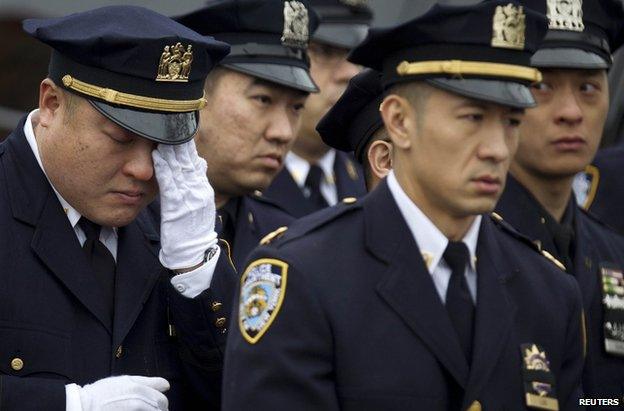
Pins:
<point x="290" y="367"/>
<point x="31" y="394"/>
<point x="570" y="388"/>
<point x="201" y="325"/>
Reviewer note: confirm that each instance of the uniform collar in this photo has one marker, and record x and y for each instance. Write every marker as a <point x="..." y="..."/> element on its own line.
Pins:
<point x="299" y="168"/>
<point x="430" y="240"/>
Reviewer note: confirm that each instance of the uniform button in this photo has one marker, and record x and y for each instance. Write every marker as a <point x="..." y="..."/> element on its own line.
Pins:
<point x="17" y="364"/>
<point x="250" y="218"/>
<point x="220" y="322"/>
<point x="475" y="406"/>
<point x="216" y="306"/>
<point x="180" y="287"/>
<point x="119" y="352"/>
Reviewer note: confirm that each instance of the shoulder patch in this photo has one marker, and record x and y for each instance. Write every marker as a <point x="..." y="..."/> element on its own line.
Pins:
<point x="535" y="245"/>
<point x="273" y="235"/>
<point x="585" y="185"/>
<point x="263" y="287"/>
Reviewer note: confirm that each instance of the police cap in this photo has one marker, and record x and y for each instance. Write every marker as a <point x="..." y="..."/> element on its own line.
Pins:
<point x="480" y="51"/>
<point x="581" y="34"/>
<point x="352" y="121"/>
<point x="140" y="69"/>
<point x="268" y="38"/>
<point x="344" y="23"/>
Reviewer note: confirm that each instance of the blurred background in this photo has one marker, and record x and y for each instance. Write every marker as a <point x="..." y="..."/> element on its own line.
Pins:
<point x="25" y="60"/>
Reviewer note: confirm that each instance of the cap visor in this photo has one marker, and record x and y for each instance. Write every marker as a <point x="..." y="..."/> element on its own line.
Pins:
<point x="568" y="58"/>
<point x="165" y="128"/>
<point x="505" y="93"/>
<point x="341" y="35"/>
<point x="289" y="76"/>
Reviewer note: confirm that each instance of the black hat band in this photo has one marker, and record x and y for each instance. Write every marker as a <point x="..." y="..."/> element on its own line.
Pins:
<point x="459" y="68"/>
<point x="585" y="41"/>
<point x="265" y="50"/>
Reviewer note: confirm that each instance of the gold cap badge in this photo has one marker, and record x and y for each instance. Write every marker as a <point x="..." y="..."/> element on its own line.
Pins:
<point x="175" y="63"/>
<point x="295" y="25"/>
<point x="565" y="14"/>
<point x="508" y="27"/>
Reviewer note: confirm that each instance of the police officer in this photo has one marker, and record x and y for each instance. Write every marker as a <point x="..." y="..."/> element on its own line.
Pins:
<point x="255" y="102"/>
<point x="354" y="124"/>
<point x="89" y="318"/>
<point x="315" y="175"/>
<point x="411" y="298"/>
<point x="559" y="138"/>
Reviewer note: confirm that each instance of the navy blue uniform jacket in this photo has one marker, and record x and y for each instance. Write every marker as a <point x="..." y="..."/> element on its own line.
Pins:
<point x="606" y="193"/>
<point x="256" y="217"/>
<point x="362" y="327"/>
<point x="285" y="192"/>
<point x="53" y="318"/>
<point x="595" y="244"/>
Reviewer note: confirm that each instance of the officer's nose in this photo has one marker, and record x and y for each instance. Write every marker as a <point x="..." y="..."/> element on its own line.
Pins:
<point x="569" y="111"/>
<point x="139" y="164"/>
<point x="281" y="127"/>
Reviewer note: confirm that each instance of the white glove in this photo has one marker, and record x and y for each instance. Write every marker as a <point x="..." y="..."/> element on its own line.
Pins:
<point x="123" y="393"/>
<point x="188" y="211"/>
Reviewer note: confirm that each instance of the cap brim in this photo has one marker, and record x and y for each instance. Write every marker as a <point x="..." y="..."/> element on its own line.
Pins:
<point x="285" y="75"/>
<point x="568" y="58"/>
<point x="505" y="93"/>
<point x="341" y="35"/>
<point x="165" y="128"/>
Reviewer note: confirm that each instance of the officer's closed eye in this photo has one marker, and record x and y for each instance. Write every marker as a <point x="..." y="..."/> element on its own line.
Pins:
<point x="263" y="99"/>
<point x="119" y="137"/>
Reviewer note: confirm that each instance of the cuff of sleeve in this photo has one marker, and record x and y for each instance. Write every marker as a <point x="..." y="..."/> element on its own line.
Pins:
<point x="72" y="398"/>
<point x="195" y="282"/>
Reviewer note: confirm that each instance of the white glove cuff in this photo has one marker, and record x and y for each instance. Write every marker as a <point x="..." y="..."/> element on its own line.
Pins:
<point x="192" y="254"/>
<point x="72" y="398"/>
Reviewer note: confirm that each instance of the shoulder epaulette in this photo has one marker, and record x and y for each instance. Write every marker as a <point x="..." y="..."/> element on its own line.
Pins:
<point x="535" y="245"/>
<point x="259" y="197"/>
<point x="273" y="235"/>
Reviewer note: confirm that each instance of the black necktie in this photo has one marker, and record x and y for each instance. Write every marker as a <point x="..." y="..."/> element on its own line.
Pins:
<point x="458" y="301"/>
<point x="313" y="185"/>
<point x="102" y="261"/>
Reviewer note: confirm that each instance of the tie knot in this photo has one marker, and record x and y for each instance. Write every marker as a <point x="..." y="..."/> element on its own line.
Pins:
<point x="91" y="230"/>
<point x="456" y="255"/>
<point x="315" y="175"/>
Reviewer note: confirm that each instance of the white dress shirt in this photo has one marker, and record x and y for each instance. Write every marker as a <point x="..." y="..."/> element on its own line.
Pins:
<point x="299" y="169"/>
<point x="189" y="284"/>
<point x="432" y="242"/>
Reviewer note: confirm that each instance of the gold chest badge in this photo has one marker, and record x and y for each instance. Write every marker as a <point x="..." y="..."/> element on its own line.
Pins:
<point x="508" y="26"/>
<point x="175" y="63"/>
<point x="295" y="32"/>
<point x="565" y="14"/>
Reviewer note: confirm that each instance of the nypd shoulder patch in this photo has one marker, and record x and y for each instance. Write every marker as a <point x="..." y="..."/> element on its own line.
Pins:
<point x="263" y="287"/>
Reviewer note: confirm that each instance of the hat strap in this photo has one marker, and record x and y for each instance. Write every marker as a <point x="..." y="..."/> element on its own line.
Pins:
<point x="463" y="67"/>
<point x="132" y="100"/>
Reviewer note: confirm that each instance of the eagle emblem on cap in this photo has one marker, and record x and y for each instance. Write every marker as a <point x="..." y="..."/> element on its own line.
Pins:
<point x="295" y="25"/>
<point x="508" y="27"/>
<point x="175" y="63"/>
<point x="565" y="14"/>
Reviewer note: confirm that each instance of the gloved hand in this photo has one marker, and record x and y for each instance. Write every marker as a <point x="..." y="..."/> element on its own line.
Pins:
<point x="188" y="211"/>
<point x="122" y="393"/>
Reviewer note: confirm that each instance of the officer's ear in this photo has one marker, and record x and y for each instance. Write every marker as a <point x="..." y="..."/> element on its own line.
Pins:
<point x="51" y="99"/>
<point x="380" y="158"/>
<point x="399" y="119"/>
